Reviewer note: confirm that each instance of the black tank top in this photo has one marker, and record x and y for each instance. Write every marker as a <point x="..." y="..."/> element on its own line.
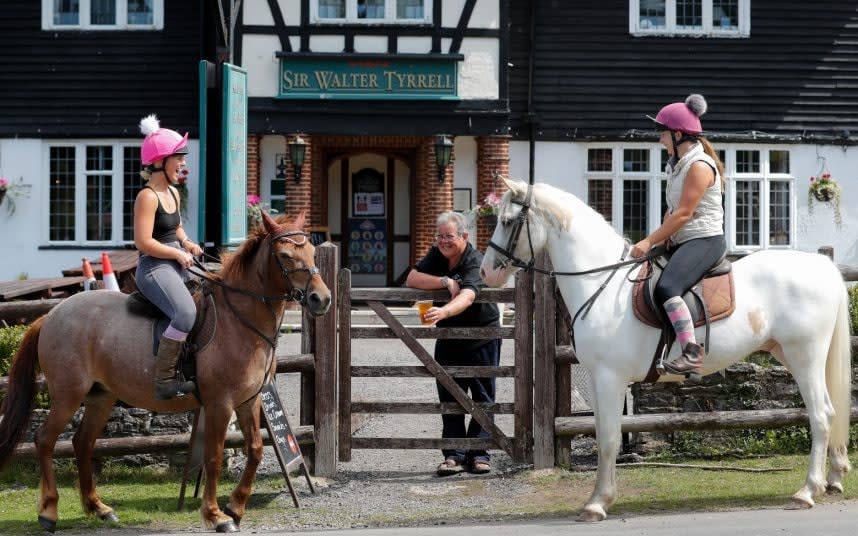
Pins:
<point x="166" y="223"/>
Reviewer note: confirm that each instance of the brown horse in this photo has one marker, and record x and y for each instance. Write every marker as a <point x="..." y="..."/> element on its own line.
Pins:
<point x="92" y="351"/>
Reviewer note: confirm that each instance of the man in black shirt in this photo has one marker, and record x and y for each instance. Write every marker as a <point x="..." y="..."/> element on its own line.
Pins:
<point x="454" y="264"/>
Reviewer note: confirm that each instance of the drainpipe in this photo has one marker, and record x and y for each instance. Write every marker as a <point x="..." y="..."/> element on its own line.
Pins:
<point x="530" y="118"/>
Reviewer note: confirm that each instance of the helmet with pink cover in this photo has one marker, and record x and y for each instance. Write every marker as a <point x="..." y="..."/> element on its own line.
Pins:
<point x="160" y="142"/>
<point x="683" y="116"/>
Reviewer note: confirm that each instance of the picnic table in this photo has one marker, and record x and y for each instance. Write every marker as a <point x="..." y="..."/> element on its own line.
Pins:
<point x="45" y="287"/>
<point x="123" y="262"/>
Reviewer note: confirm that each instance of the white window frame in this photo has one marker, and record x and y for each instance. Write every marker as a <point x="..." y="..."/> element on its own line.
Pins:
<point x="655" y="176"/>
<point x="86" y="11"/>
<point x="352" y="18"/>
<point x="765" y="177"/>
<point x="617" y="175"/>
<point x="707" y="29"/>
<point x="81" y="174"/>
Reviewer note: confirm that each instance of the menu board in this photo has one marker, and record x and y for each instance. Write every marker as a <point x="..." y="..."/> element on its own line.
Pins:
<point x="278" y="425"/>
<point x="367" y="246"/>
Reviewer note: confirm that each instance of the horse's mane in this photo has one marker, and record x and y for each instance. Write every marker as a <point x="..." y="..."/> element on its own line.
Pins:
<point x="238" y="263"/>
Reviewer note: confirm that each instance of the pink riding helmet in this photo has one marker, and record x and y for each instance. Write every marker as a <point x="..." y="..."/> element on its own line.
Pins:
<point x="160" y="142"/>
<point x="683" y="116"/>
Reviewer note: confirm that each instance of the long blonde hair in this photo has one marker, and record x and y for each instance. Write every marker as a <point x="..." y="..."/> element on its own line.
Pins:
<point x="709" y="150"/>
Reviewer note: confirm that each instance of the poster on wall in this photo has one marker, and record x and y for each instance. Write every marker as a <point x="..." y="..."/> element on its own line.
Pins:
<point x="368" y="193"/>
<point x="367" y="246"/>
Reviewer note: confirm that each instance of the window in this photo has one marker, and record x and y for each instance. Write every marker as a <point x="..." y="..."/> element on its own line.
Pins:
<point x="92" y="186"/>
<point x="626" y="184"/>
<point x="102" y="14"/>
<point x="761" y="200"/>
<point x="372" y="11"/>
<point x="712" y="18"/>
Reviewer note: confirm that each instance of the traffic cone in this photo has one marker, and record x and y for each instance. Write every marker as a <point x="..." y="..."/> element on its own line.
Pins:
<point x="110" y="282"/>
<point x="89" y="282"/>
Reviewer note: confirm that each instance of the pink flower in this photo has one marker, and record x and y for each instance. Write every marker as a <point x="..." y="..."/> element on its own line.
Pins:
<point x="253" y="200"/>
<point x="3" y="184"/>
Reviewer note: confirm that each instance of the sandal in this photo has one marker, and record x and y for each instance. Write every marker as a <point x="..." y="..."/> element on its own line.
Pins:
<point x="480" y="467"/>
<point x="450" y="466"/>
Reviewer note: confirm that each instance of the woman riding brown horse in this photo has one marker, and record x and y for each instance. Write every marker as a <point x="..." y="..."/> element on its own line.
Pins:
<point x="88" y="359"/>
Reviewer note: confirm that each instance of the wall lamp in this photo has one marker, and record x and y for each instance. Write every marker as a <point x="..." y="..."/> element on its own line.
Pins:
<point x="443" y="152"/>
<point x="297" y="149"/>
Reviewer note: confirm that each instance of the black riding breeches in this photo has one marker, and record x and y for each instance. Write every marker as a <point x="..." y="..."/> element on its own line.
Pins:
<point x="687" y="265"/>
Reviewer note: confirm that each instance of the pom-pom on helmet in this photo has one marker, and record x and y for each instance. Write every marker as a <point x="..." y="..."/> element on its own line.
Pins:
<point x="160" y="142"/>
<point x="683" y="116"/>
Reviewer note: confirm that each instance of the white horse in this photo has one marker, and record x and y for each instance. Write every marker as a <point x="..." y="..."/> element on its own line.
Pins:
<point x="789" y="303"/>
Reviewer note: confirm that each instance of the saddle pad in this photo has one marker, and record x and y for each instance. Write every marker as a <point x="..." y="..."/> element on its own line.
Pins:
<point x="204" y="326"/>
<point x="718" y="295"/>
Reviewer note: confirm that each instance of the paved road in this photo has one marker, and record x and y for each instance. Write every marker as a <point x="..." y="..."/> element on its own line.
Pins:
<point x="836" y="519"/>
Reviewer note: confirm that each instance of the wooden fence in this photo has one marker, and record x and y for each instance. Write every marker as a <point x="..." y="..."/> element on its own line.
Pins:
<point x="518" y="446"/>
<point x="316" y="364"/>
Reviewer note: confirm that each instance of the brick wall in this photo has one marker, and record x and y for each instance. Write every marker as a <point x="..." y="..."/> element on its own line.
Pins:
<point x="492" y="164"/>
<point x="253" y="164"/>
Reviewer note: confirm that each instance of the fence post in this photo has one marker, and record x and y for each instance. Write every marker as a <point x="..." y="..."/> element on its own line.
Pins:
<point x="543" y="376"/>
<point x="563" y="382"/>
<point x="344" y="314"/>
<point x="523" y="333"/>
<point x="307" y="411"/>
<point x="325" y="425"/>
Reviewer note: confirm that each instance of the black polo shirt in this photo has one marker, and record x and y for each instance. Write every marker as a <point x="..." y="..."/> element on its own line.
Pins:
<point x="467" y="273"/>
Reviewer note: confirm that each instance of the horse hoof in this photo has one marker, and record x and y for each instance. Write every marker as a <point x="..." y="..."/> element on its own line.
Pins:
<point x="799" y="504"/>
<point x="235" y="517"/>
<point x="834" y="489"/>
<point x="589" y="516"/>
<point x="48" y="524"/>
<point x="226" y="526"/>
<point x="109" y="517"/>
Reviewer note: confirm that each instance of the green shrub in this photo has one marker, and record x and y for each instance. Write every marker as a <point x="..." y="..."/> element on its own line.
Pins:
<point x="10" y="340"/>
<point x="853" y="308"/>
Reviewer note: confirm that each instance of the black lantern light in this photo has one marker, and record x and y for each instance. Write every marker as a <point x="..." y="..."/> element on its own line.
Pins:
<point x="443" y="152"/>
<point x="297" y="148"/>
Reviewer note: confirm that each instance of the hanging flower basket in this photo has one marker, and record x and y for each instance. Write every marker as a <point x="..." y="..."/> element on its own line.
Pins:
<point x="824" y="189"/>
<point x="9" y="191"/>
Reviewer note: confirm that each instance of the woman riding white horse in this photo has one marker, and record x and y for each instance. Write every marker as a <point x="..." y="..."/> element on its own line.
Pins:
<point x="789" y="303"/>
<point x="693" y="228"/>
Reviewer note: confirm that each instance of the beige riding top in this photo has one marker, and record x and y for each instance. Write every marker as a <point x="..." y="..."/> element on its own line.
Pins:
<point x="708" y="217"/>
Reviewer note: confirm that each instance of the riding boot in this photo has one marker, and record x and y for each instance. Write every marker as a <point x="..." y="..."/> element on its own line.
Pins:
<point x="166" y="384"/>
<point x="690" y="362"/>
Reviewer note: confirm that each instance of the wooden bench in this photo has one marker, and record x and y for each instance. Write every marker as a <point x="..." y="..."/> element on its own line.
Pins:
<point x="48" y="287"/>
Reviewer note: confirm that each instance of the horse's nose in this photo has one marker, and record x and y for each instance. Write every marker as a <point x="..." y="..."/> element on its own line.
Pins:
<point x="318" y="303"/>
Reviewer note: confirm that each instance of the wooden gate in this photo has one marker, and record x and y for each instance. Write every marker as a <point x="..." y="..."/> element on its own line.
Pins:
<point x="519" y="446"/>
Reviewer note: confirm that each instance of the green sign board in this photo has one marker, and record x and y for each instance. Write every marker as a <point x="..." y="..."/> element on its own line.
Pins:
<point x="234" y="150"/>
<point x="349" y="77"/>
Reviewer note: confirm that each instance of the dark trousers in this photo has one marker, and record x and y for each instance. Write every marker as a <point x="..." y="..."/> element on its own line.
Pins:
<point x="481" y="389"/>
<point x="688" y="263"/>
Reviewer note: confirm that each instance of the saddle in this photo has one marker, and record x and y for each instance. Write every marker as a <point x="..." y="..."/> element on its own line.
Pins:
<point x="711" y="299"/>
<point x="200" y="336"/>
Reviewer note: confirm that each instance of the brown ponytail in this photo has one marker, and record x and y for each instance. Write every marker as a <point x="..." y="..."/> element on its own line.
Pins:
<point x="709" y="150"/>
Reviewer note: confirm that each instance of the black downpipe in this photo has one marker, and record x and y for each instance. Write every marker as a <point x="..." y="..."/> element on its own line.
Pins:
<point x="531" y="113"/>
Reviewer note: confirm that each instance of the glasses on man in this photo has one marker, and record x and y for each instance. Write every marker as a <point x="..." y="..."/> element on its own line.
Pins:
<point x="446" y="237"/>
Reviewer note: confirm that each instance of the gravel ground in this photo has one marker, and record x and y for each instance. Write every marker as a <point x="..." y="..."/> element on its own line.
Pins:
<point x="362" y="492"/>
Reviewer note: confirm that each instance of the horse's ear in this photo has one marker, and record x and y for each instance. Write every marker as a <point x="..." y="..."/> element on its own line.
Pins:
<point x="514" y="186"/>
<point x="268" y="222"/>
<point x="301" y="219"/>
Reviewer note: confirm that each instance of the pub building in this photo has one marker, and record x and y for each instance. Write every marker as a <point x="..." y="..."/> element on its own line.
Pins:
<point x="377" y="115"/>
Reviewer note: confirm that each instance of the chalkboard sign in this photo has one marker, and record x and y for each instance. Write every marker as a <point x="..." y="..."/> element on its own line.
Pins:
<point x="319" y="235"/>
<point x="278" y="426"/>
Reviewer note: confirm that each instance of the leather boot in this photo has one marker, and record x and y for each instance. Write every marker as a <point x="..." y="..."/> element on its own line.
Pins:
<point x="166" y="384"/>
<point x="690" y="362"/>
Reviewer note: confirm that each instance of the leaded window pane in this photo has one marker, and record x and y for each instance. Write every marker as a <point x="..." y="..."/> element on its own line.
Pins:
<point x="779" y="213"/>
<point x="99" y="217"/>
<point x="141" y="12"/>
<point x="332" y="9"/>
<point x="779" y="162"/>
<point x="131" y="183"/>
<point x="599" y="159"/>
<point x="61" y="193"/>
<point x="652" y="14"/>
<point x="635" y="195"/>
<point x="636" y="160"/>
<point x="689" y="13"/>
<point x="409" y="9"/>
<point x="725" y="14"/>
<point x="370" y="9"/>
<point x="102" y="12"/>
<point x="747" y="161"/>
<point x="600" y="196"/>
<point x="66" y="12"/>
<point x="747" y="213"/>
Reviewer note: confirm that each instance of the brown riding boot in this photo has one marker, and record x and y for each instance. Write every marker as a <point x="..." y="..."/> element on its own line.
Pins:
<point x="690" y="362"/>
<point x="166" y="384"/>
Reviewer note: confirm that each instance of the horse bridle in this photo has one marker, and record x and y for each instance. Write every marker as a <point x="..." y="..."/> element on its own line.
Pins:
<point x="521" y="221"/>
<point x="294" y="292"/>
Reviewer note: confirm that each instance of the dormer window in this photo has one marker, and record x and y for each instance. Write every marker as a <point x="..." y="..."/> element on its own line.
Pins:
<point x="372" y="11"/>
<point x="102" y="14"/>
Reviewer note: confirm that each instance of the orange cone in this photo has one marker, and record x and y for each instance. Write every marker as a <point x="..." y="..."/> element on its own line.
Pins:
<point x="110" y="282"/>
<point x="89" y="281"/>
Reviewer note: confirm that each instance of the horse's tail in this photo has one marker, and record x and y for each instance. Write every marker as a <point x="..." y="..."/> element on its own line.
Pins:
<point x="838" y="375"/>
<point x="20" y="392"/>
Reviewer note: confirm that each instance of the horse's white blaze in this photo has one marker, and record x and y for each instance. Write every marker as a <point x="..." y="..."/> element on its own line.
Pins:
<point x="790" y="302"/>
